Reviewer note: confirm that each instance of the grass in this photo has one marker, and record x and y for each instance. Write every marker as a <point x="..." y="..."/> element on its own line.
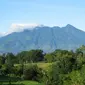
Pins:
<point x="4" y="80"/>
<point x="22" y="83"/>
<point x="30" y="83"/>
<point x="44" y="66"/>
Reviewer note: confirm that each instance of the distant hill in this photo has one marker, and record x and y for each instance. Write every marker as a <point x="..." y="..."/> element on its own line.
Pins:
<point x="43" y="37"/>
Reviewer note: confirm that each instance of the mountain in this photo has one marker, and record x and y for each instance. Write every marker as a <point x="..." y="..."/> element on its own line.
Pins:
<point x="43" y="37"/>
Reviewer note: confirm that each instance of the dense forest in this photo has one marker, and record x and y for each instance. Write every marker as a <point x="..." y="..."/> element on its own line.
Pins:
<point x="61" y="67"/>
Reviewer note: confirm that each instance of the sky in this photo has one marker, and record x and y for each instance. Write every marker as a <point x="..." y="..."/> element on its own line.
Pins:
<point x="46" y="12"/>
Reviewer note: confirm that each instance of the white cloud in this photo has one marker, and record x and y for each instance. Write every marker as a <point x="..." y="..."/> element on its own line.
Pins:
<point x="2" y="34"/>
<point x="20" y="27"/>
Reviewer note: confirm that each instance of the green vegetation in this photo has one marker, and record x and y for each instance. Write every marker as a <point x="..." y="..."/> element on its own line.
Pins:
<point x="61" y="67"/>
<point x="31" y="83"/>
<point x="23" y="83"/>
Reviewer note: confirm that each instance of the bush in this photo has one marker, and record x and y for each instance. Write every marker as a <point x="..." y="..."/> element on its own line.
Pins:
<point x="32" y="73"/>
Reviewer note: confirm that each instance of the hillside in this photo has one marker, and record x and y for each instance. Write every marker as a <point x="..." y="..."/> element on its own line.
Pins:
<point x="43" y="37"/>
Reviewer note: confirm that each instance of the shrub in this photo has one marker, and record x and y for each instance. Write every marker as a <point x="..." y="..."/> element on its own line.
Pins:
<point x="32" y="73"/>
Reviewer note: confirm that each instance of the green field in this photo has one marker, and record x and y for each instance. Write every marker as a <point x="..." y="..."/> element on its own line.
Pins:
<point x="22" y="83"/>
<point x="44" y="66"/>
<point x="29" y="83"/>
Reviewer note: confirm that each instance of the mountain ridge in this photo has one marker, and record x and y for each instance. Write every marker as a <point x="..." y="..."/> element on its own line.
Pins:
<point x="44" y="37"/>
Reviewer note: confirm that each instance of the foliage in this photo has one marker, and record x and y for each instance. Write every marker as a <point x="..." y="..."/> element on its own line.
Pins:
<point x="30" y="56"/>
<point x="32" y="73"/>
<point x="61" y="67"/>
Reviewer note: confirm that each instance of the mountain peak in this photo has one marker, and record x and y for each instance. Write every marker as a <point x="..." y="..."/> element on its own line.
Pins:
<point x="70" y="26"/>
<point x="44" y="38"/>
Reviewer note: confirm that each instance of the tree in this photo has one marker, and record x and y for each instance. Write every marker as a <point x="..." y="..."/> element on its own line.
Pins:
<point x="10" y="59"/>
<point x="22" y="57"/>
<point x="32" y="73"/>
<point x="36" y="55"/>
<point x="30" y="56"/>
<point x="49" y="58"/>
<point x="59" y="69"/>
<point x="2" y="60"/>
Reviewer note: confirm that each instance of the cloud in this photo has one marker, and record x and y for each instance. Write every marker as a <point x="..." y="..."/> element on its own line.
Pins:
<point x="20" y="27"/>
<point x="2" y="34"/>
<point x="15" y="27"/>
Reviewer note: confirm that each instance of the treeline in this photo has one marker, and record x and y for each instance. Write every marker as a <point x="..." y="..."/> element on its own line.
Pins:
<point x="68" y="67"/>
<point x="22" y="57"/>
